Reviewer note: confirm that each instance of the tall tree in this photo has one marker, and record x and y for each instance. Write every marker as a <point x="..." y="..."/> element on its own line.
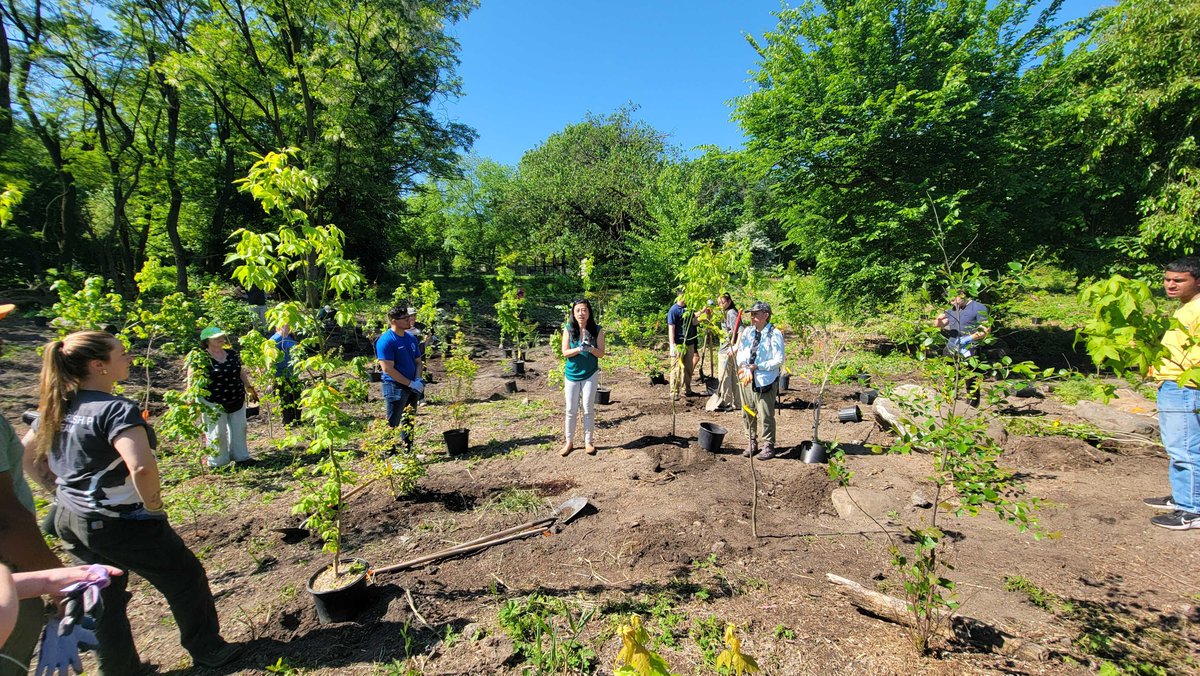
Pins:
<point x="870" y="115"/>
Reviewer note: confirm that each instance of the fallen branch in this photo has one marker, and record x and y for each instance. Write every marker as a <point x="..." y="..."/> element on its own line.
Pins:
<point x="967" y="629"/>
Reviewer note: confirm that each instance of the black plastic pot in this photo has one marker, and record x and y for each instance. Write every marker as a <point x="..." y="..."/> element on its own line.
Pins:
<point x="864" y="379"/>
<point x="711" y="436"/>
<point x="39" y="320"/>
<point x="518" y="367"/>
<point x="658" y="380"/>
<point x="603" y="396"/>
<point x="813" y="452"/>
<point x="344" y="603"/>
<point x="252" y="410"/>
<point x="850" y="415"/>
<point x="868" y="396"/>
<point x="376" y="376"/>
<point x="785" y="379"/>
<point x="457" y="441"/>
<point x="510" y="386"/>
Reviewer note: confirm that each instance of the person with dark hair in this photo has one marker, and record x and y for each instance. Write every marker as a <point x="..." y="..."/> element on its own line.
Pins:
<point x="727" y="397"/>
<point x="399" y="355"/>
<point x="964" y="323"/>
<point x="22" y="546"/>
<point x="683" y="336"/>
<point x="95" y="451"/>
<point x="582" y="346"/>
<point x="759" y="358"/>
<point x="1179" y="399"/>
<point x="225" y="416"/>
<point x="287" y="382"/>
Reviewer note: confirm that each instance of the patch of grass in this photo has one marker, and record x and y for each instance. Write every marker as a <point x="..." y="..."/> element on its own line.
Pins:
<point x="708" y="636"/>
<point x="1036" y="595"/>
<point x="515" y="501"/>
<point x="783" y="633"/>
<point x="1041" y="426"/>
<point x="546" y="632"/>
<point x="1078" y="388"/>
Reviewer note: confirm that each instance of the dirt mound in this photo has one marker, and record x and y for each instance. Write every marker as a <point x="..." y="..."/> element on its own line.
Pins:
<point x="1058" y="453"/>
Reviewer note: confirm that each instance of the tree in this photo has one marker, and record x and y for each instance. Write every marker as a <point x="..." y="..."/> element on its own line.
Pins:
<point x="871" y="113"/>
<point x="588" y="185"/>
<point x="1136" y="102"/>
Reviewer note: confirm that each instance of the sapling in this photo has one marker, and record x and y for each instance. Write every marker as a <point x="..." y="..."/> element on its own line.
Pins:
<point x="461" y="370"/>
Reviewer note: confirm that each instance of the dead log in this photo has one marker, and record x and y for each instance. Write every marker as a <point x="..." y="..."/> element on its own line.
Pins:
<point x="959" y="627"/>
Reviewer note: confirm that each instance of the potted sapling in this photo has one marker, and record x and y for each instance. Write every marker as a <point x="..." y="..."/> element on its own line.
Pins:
<point x="460" y="371"/>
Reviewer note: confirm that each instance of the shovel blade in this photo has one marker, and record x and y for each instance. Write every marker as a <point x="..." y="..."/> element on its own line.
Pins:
<point x="570" y="509"/>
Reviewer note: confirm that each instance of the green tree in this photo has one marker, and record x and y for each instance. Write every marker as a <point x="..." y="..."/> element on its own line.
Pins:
<point x="869" y="113"/>
<point x="1136" y="105"/>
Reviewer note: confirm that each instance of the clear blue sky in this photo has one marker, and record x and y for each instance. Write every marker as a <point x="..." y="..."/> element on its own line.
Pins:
<point x="531" y="67"/>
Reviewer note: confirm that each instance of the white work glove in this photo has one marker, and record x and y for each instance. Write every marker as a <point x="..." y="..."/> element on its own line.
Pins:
<point x="674" y="351"/>
<point x="417" y="385"/>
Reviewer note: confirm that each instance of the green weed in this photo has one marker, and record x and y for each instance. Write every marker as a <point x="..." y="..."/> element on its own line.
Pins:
<point x="783" y="633"/>
<point x="706" y="634"/>
<point x="515" y="501"/>
<point x="546" y="631"/>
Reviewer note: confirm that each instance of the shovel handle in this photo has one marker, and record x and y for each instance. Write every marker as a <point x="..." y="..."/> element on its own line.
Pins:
<point x="515" y="529"/>
<point x="455" y="551"/>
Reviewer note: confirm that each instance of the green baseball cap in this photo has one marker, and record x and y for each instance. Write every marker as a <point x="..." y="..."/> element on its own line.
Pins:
<point x="211" y="332"/>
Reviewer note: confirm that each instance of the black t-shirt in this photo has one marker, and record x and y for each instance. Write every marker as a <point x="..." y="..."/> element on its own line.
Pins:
<point x="256" y="296"/>
<point x="225" y="386"/>
<point x="92" y="476"/>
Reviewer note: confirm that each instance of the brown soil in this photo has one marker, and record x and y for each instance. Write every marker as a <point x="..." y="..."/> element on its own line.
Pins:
<point x="668" y="520"/>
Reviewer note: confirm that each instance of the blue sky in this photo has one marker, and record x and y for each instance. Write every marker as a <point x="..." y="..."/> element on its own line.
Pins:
<point x="531" y="67"/>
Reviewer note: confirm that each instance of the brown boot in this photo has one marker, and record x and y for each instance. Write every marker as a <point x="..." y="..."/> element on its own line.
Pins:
<point x="566" y="449"/>
<point x="591" y="449"/>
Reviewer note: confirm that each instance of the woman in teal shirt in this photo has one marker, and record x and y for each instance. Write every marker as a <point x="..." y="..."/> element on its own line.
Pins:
<point x="582" y="345"/>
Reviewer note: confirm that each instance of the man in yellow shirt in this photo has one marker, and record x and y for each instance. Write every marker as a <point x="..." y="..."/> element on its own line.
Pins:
<point x="1179" y="402"/>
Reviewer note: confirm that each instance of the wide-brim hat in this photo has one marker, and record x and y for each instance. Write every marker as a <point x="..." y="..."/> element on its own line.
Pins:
<point x="211" y="332"/>
<point x="6" y="309"/>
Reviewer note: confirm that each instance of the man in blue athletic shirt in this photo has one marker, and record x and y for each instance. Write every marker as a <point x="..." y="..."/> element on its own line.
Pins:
<point x="399" y="355"/>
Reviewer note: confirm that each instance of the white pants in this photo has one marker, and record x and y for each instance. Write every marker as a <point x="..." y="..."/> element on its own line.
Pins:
<point x="585" y="390"/>
<point x="226" y="436"/>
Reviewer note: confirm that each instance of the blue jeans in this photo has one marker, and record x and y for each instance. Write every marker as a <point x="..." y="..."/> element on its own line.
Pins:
<point x="1179" y="427"/>
<point x="401" y="408"/>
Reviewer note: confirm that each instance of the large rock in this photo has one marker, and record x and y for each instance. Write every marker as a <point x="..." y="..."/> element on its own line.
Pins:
<point x="891" y="415"/>
<point x="865" y="501"/>
<point x="1111" y="419"/>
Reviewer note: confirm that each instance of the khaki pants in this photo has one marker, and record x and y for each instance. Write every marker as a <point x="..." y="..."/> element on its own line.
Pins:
<point x="728" y="391"/>
<point x="763" y="405"/>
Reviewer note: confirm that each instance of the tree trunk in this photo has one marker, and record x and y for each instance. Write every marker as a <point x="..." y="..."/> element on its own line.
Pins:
<point x="171" y="96"/>
<point x="213" y="255"/>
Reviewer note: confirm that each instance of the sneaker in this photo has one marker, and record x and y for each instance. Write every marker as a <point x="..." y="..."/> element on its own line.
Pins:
<point x="767" y="452"/>
<point x="1177" y="520"/>
<point x="1166" y="504"/>
<point x="751" y="449"/>
<point x="219" y="657"/>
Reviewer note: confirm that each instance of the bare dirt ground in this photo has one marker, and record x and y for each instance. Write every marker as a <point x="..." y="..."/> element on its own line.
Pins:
<point x="670" y="525"/>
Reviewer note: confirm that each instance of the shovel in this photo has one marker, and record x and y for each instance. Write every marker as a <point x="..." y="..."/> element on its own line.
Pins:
<point x="562" y="514"/>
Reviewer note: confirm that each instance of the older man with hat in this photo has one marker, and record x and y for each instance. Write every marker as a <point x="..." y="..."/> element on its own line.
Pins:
<point x="759" y="359"/>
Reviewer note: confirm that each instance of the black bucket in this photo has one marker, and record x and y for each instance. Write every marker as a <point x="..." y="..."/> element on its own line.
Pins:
<point x="457" y="441"/>
<point x="518" y="367"/>
<point x="345" y="603"/>
<point x="850" y="415"/>
<point x="868" y="396"/>
<point x="813" y="452"/>
<point x="710" y="437"/>
<point x="785" y="379"/>
<point x="603" y="396"/>
<point x="510" y="386"/>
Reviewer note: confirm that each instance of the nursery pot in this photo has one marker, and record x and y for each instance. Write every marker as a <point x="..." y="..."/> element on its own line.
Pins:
<point x="39" y="320"/>
<point x="252" y="410"/>
<point x="813" y="452"/>
<point x="456" y="441"/>
<point x="510" y="386"/>
<point x="344" y="603"/>
<point x="376" y="376"/>
<point x="868" y="396"/>
<point x="864" y="379"/>
<point x="850" y="415"/>
<point x="710" y="437"/>
<point x="518" y="367"/>
<point x="603" y="395"/>
<point x="784" y="379"/>
<point x="658" y="379"/>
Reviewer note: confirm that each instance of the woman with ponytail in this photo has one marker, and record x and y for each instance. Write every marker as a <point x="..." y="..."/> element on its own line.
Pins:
<point x="96" y="452"/>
